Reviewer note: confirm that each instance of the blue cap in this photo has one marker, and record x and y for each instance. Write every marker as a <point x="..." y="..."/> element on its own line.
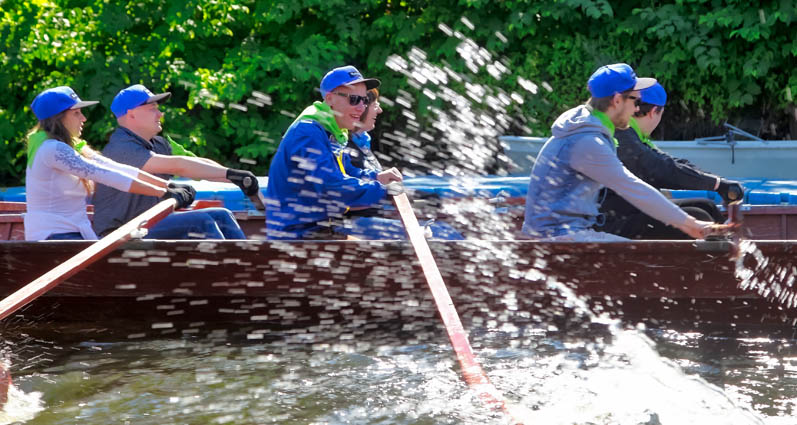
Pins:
<point x="133" y="97"/>
<point x="616" y="78"/>
<point x="655" y="95"/>
<point x="345" y="75"/>
<point x="54" y="101"/>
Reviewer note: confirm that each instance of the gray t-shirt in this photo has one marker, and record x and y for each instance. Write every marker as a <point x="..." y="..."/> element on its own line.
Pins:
<point x="113" y="208"/>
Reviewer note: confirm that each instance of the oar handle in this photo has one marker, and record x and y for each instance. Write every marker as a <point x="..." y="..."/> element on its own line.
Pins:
<point x="258" y="199"/>
<point x="735" y="193"/>
<point x="84" y="258"/>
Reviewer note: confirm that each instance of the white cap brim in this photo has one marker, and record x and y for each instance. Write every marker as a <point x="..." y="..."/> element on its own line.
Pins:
<point x="370" y="83"/>
<point x="643" y="83"/>
<point x="84" y="103"/>
<point x="157" y="98"/>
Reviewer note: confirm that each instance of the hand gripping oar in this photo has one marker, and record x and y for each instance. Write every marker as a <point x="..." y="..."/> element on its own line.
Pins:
<point x="84" y="258"/>
<point x="258" y="199"/>
<point x="471" y="369"/>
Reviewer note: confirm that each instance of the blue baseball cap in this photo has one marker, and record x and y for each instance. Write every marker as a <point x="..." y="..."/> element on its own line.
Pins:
<point x="54" y="101"/>
<point x="133" y="97"/>
<point x="344" y="76"/>
<point x="655" y="95"/>
<point x="616" y="78"/>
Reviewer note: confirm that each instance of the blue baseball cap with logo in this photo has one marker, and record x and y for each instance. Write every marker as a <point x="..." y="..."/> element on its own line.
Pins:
<point x="344" y="76"/>
<point x="56" y="100"/>
<point x="133" y="97"/>
<point x="616" y="78"/>
<point x="655" y="95"/>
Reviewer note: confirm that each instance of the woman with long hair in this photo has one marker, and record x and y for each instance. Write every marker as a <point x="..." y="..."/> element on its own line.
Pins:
<point x="62" y="169"/>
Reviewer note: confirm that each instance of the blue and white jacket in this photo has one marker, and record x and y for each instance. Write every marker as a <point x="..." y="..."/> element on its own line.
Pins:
<point x="312" y="183"/>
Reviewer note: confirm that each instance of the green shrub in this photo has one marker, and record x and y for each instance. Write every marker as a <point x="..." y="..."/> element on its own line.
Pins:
<point x="240" y="71"/>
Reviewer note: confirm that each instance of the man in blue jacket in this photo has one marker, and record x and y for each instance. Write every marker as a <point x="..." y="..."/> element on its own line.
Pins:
<point x="311" y="182"/>
<point x="580" y="160"/>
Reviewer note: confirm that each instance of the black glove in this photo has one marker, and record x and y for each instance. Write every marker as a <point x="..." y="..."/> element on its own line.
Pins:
<point x="730" y="190"/>
<point x="173" y="185"/>
<point x="183" y="193"/>
<point x="245" y="180"/>
<point x="187" y="187"/>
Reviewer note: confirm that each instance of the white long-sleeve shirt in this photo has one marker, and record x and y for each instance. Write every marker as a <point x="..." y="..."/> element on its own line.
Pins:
<point x="55" y="195"/>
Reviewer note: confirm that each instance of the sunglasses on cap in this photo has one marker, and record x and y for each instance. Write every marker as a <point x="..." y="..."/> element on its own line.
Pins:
<point x="354" y="99"/>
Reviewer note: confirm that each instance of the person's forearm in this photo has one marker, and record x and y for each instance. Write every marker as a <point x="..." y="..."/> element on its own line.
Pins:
<point x="152" y="179"/>
<point x="599" y="163"/>
<point x="210" y="161"/>
<point x="199" y="168"/>
<point x="143" y="188"/>
<point x="646" y="198"/>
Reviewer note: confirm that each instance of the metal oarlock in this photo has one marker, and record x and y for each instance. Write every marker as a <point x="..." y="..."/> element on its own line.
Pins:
<point x="736" y="218"/>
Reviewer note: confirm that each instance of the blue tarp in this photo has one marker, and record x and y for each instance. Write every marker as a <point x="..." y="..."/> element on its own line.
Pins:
<point x="758" y="191"/>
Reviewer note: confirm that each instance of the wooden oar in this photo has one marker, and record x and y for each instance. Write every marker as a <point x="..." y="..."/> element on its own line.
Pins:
<point x="84" y="258"/>
<point x="471" y="369"/>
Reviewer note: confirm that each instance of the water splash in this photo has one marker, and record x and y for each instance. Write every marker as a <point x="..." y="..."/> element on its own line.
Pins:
<point x="772" y="279"/>
<point x="21" y="406"/>
<point x="463" y="127"/>
<point x="621" y="382"/>
<point x="602" y="371"/>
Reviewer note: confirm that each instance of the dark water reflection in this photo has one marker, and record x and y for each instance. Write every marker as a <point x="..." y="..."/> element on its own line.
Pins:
<point x="759" y="371"/>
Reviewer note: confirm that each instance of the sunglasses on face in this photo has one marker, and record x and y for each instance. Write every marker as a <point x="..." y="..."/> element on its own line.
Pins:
<point x="354" y="99"/>
<point x="636" y="99"/>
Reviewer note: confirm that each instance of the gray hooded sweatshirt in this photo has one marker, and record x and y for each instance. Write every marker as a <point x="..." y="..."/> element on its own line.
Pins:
<point x="571" y="169"/>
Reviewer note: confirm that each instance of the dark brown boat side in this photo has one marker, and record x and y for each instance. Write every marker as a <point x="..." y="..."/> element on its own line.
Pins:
<point x="180" y="286"/>
<point x="171" y="284"/>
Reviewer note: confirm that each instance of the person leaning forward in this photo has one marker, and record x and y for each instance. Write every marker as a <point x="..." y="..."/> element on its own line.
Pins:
<point x="311" y="183"/>
<point x="136" y="142"/>
<point x="580" y="159"/>
<point x="660" y="170"/>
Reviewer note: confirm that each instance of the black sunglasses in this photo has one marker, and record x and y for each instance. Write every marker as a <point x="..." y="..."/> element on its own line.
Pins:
<point x="636" y="99"/>
<point x="354" y="99"/>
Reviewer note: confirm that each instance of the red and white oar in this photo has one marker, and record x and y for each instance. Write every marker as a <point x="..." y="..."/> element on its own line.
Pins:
<point x="471" y="369"/>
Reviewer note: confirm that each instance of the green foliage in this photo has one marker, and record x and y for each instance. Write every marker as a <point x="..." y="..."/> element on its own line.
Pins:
<point x="240" y="71"/>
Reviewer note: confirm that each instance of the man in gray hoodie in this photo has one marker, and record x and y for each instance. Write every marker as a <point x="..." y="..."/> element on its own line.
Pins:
<point x="580" y="160"/>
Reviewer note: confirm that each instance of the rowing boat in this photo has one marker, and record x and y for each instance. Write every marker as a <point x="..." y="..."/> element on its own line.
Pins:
<point x="178" y="286"/>
<point x="300" y="283"/>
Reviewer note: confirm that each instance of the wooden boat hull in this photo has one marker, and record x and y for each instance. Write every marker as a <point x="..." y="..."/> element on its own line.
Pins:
<point x="180" y="286"/>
